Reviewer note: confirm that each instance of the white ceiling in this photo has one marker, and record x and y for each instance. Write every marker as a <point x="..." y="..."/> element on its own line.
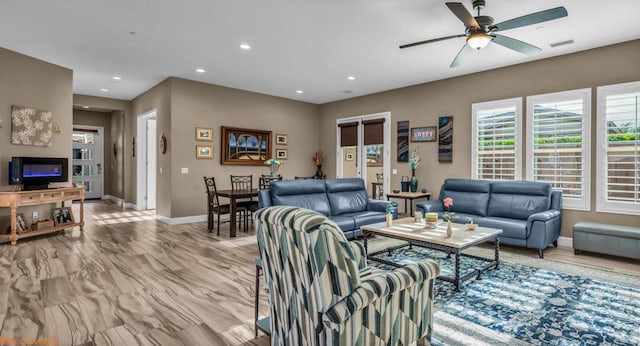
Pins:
<point x="296" y="44"/>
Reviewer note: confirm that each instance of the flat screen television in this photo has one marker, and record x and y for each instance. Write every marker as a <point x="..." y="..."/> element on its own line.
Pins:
<point x="35" y="173"/>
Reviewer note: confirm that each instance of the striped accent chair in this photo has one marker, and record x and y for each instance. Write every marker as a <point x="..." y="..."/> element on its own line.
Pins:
<point x="322" y="293"/>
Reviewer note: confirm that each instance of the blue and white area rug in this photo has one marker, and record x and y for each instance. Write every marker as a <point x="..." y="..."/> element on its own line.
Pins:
<point x="529" y="301"/>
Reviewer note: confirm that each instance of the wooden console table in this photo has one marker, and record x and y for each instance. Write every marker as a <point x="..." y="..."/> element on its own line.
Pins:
<point x="14" y="200"/>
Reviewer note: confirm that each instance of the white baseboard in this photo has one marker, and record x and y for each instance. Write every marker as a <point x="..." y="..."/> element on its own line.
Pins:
<point x="565" y="242"/>
<point x="131" y="206"/>
<point x="181" y="220"/>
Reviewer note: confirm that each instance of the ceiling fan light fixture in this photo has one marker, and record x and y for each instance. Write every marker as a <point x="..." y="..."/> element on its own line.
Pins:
<point x="478" y="40"/>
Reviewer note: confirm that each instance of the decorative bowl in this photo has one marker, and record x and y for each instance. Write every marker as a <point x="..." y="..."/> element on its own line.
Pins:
<point x="471" y="226"/>
<point x="396" y="190"/>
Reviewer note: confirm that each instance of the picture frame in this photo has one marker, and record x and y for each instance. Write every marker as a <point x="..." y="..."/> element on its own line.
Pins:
<point x="424" y="134"/>
<point x="204" y="151"/>
<point x="348" y="157"/>
<point x="21" y="223"/>
<point x="247" y="147"/>
<point x="204" y="134"/>
<point x="281" y="154"/>
<point x="281" y="139"/>
<point x="63" y="216"/>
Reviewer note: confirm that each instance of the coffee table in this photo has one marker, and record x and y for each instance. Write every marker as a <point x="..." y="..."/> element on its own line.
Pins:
<point x="416" y="234"/>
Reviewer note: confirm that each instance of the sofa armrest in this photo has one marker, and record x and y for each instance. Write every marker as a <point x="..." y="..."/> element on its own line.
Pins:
<point x="264" y="198"/>
<point x="379" y="287"/>
<point x="430" y="206"/>
<point x="543" y="216"/>
<point x="381" y="206"/>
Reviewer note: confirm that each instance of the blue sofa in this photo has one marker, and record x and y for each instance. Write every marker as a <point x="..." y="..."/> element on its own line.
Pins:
<point x="345" y="201"/>
<point x="527" y="212"/>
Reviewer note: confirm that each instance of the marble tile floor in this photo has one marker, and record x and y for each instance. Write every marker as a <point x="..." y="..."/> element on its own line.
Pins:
<point x="132" y="280"/>
<point x="129" y="280"/>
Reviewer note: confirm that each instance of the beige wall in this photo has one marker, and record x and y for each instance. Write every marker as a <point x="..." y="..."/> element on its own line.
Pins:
<point x="158" y="98"/>
<point x="422" y="104"/>
<point x="99" y="119"/>
<point x="195" y="104"/>
<point x="26" y="81"/>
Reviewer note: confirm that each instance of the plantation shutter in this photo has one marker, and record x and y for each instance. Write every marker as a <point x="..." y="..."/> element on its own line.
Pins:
<point x="621" y="139"/>
<point x="496" y="144"/>
<point x="559" y="140"/>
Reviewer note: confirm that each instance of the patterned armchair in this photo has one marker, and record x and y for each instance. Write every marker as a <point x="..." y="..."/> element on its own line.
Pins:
<point x="322" y="293"/>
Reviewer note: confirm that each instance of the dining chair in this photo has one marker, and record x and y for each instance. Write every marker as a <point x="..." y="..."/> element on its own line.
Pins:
<point x="380" y="180"/>
<point x="311" y="177"/>
<point x="215" y="208"/>
<point x="245" y="183"/>
<point x="266" y="179"/>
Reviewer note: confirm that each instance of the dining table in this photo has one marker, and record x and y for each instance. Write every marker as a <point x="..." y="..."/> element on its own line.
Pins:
<point x="234" y="196"/>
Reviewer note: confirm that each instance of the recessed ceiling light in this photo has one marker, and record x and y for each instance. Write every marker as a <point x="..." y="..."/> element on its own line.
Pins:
<point x="245" y="46"/>
<point x="116" y="78"/>
<point x="132" y="32"/>
<point x="299" y="91"/>
<point x="104" y="89"/>
<point x="351" y="78"/>
<point x="200" y="70"/>
<point x="539" y="27"/>
<point x="85" y="107"/>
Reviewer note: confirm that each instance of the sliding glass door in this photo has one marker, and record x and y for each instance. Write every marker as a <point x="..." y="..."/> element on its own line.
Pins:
<point x="363" y="149"/>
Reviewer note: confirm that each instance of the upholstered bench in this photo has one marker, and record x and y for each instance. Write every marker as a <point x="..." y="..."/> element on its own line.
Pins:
<point x="606" y="239"/>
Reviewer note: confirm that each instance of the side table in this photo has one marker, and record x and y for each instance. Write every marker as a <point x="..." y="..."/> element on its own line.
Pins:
<point x="409" y="196"/>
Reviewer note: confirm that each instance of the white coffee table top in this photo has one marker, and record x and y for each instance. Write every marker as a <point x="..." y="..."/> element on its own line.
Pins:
<point x="408" y="229"/>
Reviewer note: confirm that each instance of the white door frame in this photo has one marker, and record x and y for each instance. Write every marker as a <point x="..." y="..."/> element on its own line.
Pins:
<point x="141" y="159"/>
<point x="386" y="160"/>
<point x="100" y="130"/>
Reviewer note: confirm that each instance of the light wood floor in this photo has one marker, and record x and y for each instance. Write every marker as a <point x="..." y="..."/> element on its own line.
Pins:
<point x="132" y="280"/>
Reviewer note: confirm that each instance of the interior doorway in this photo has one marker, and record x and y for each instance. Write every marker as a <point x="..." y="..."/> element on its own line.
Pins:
<point x="364" y="150"/>
<point x="146" y="160"/>
<point x="88" y="159"/>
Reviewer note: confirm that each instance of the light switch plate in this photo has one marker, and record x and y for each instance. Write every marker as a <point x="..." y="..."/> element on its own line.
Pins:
<point x="394" y="171"/>
<point x="185" y="170"/>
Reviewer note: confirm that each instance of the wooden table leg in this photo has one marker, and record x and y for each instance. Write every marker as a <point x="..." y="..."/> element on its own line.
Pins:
<point x="232" y="217"/>
<point x="13" y="237"/>
<point x="81" y="213"/>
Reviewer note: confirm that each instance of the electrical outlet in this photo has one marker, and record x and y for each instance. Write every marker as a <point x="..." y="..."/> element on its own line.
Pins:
<point x="34" y="216"/>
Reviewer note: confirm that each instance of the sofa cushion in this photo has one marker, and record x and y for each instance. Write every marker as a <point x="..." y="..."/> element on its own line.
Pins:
<point x="511" y="228"/>
<point x="366" y="217"/>
<point x="347" y="195"/>
<point x="519" y="199"/>
<point x="310" y="194"/>
<point x="469" y="195"/>
<point x="345" y="223"/>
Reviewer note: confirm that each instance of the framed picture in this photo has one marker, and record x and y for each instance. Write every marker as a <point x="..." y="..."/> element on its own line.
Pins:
<point x="244" y="146"/>
<point x="348" y="157"/>
<point x="281" y="138"/>
<point x="21" y="223"/>
<point x="424" y="134"/>
<point x="204" y="134"/>
<point x="445" y="139"/>
<point x="403" y="141"/>
<point x="204" y="151"/>
<point x="62" y="216"/>
<point x="281" y="154"/>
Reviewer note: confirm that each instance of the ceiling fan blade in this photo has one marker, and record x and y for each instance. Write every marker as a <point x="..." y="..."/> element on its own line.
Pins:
<point x="430" y="41"/>
<point x="514" y="44"/>
<point x="461" y="12"/>
<point x="462" y="55"/>
<point x="533" y="18"/>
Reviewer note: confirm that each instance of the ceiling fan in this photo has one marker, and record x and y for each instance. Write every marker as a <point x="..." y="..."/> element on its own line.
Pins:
<point x="480" y="30"/>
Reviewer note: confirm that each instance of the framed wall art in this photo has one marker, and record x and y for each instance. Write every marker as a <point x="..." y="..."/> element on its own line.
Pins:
<point x="244" y="146"/>
<point x="62" y="216"/>
<point x="424" y="134"/>
<point x="281" y="139"/>
<point x="348" y="157"/>
<point x="403" y="141"/>
<point x="204" y="152"/>
<point x="281" y="154"/>
<point x="30" y="126"/>
<point x="204" y="134"/>
<point x="445" y="139"/>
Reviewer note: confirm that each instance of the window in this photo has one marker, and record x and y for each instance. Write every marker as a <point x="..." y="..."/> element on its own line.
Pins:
<point x="496" y="140"/>
<point x="558" y="149"/>
<point x="619" y="149"/>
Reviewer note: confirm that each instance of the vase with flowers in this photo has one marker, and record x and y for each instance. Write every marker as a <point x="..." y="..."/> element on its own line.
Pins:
<point x="448" y="215"/>
<point x="318" y="159"/>
<point x="413" y="164"/>
<point x="389" y="209"/>
<point x="274" y="165"/>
